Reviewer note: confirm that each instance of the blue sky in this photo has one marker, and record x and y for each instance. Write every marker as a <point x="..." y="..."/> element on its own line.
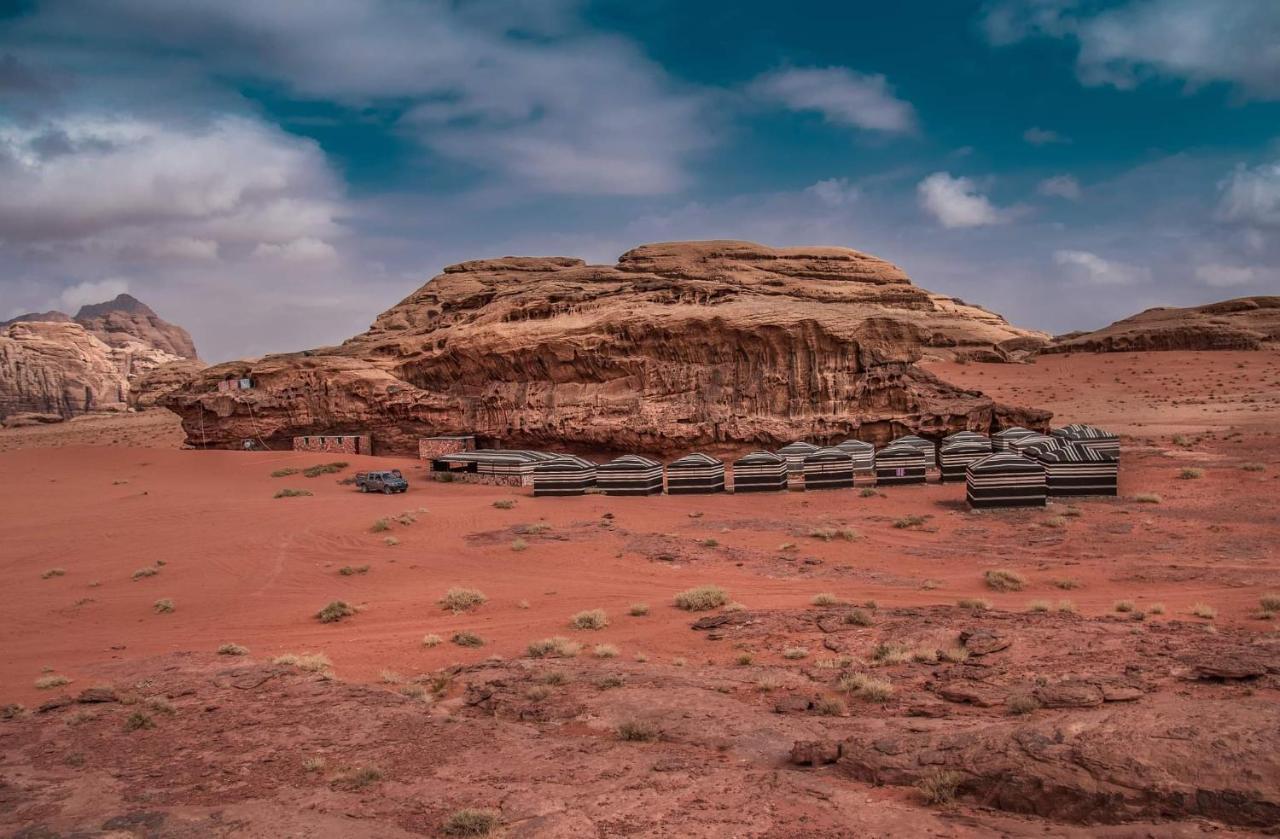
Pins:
<point x="273" y="175"/>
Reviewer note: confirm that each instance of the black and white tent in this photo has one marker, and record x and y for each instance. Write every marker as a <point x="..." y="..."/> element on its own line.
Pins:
<point x="899" y="463"/>
<point x="1075" y="469"/>
<point x="926" y="448"/>
<point x="1090" y="437"/>
<point x="695" y="473"/>
<point x="1038" y="446"/>
<point x="567" y="474"/>
<point x="515" y="464"/>
<point x="760" y="472"/>
<point x="1001" y="439"/>
<point x="631" y="474"/>
<point x="1022" y="444"/>
<point x="795" y="453"/>
<point x="966" y="437"/>
<point x="956" y="456"/>
<point x="863" y="454"/>
<point x="1005" y="479"/>
<point x="828" y="468"/>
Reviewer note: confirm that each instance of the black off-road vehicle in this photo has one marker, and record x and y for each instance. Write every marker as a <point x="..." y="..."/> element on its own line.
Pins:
<point x="385" y="482"/>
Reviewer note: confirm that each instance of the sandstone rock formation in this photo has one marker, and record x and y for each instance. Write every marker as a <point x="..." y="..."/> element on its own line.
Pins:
<point x="51" y="363"/>
<point x="715" y="345"/>
<point x="1246" y="323"/>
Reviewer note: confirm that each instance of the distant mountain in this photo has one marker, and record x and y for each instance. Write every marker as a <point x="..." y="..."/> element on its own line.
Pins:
<point x="1245" y="323"/>
<point x="51" y="363"/>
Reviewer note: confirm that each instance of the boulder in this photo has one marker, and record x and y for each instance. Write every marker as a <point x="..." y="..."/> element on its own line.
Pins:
<point x="1246" y="323"/>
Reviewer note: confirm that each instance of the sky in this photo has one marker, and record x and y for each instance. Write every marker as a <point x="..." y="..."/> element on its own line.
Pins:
<point x="273" y="175"/>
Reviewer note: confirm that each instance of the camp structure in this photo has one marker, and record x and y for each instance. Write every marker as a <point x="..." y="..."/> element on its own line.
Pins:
<point x="760" y="472"/>
<point x="1022" y="445"/>
<point x="955" y="457"/>
<point x="695" y="474"/>
<point x="795" y="453"/>
<point x="1001" y="439"/>
<point x="1005" y="479"/>
<point x="899" y="463"/>
<point x="966" y="437"/>
<point x="1091" y="438"/>
<point x="863" y="454"/>
<point x="828" y="468"/>
<point x="566" y="474"/>
<point x="631" y="474"/>
<point x="334" y="443"/>
<point x="925" y="446"/>
<point x="504" y="467"/>
<point x="1075" y="469"/>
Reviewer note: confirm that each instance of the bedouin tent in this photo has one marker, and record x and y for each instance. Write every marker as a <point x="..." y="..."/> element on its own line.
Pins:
<point x="899" y="463"/>
<point x="515" y="464"/>
<point x="567" y="474"/>
<point x="760" y="472"/>
<point x="966" y="437"/>
<point x="695" y="474"/>
<point x="1001" y="439"/>
<point x="863" y="454"/>
<point x="1020" y="445"/>
<point x="828" y="468"/>
<point x="631" y="474"/>
<point x="1075" y="469"/>
<point x="926" y="448"/>
<point x="1091" y="438"/>
<point x="955" y="457"/>
<point x="1005" y="479"/>
<point x="795" y="453"/>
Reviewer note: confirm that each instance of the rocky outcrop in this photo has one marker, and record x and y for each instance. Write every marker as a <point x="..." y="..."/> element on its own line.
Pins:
<point x="53" y="364"/>
<point x="147" y="389"/>
<point x="699" y="344"/>
<point x="1246" y="323"/>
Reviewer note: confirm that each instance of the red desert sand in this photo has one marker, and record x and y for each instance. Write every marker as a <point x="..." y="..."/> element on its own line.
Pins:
<point x="1126" y="682"/>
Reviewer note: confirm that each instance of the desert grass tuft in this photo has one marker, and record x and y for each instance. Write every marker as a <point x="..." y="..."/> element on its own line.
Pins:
<point x="910" y="521"/>
<point x="164" y="606"/>
<point x="380" y="526"/>
<point x="459" y="599"/>
<point x="432" y="640"/>
<point x="1204" y="610"/>
<point x="310" y="662"/>
<point x="858" y="617"/>
<point x="825" y="598"/>
<point x="590" y="619"/>
<point x="53" y="572"/>
<point x="291" y="493"/>
<point x="1254" y="467"/>
<point x="143" y="573"/>
<point x="794" y="653"/>
<point x="940" y="786"/>
<point x="233" y="649"/>
<point x="1270" y="602"/>
<point x="518" y="544"/>
<point x="605" y="651"/>
<point x="637" y="731"/>
<point x="638" y="610"/>
<point x="505" y="504"/>
<point x="1124" y="606"/>
<point x="1021" y="703"/>
<point x="335" y="611"/>
<point x="865" y="686"/>
<point x="975" y="603"/>
<point x="1190" y="474"/>
<point x="1002" y="579"/>
<point x="352" y="570"/>
<point x="467" y="639"/>
<point x="1147" y="498"/>
<point x="554" y="647"/>
<point x="1038" y="606"/>
<point x="701" y="598"/>
<point x="470" y="822"/>
<point x="51" y="681"/>
<point x="827" y="534"/>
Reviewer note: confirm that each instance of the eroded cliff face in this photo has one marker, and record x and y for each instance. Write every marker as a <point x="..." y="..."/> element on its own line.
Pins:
<point x="1246" y="323"/>
<point x="712" y="345"/>
<point x="53" y="364"/>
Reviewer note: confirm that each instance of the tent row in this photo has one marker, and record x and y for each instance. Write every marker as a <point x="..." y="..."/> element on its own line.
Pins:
<point x="1014" y="467"/>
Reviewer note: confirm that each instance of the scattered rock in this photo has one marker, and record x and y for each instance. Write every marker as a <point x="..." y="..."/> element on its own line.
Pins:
<point x="984" y="641"/>
<point x="98" y="694"/>
<point x="815" y="752"/>
<point x="1069" y="694"/>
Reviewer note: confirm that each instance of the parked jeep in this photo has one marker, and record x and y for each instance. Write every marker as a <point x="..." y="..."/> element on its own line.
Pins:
<point x="385" y="482"/>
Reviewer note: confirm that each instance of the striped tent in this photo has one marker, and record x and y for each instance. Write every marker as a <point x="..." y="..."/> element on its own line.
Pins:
<point x="1021" y="445"/>
<point x="1005" y="479"/>
<point x="795" y="453"/>
<point x="695" y="474"/>
<point x="899" y="463"/>
<point x="1075" y="469"/>
<point x="1090" y="437"/>
<point x="863" y="454"/>
<point x="631" y="474"/>
<point x="760" y="472"/>
<point x="1001" y="439"/>
<point x="513" y="464"/>
<point x="1037" y="447"/>
<point x="966" y="437"/>
<point x="567" y="474"/>
<point x="926" y="448"/>
<point x="955" y="456"/>
<point x="828" y="468"/>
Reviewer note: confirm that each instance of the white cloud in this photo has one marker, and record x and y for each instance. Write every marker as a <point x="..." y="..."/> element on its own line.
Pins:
<point x="306" y="249"/>
<point x="1200" y="41"/>
<point x="1087" y="267"/>
<point x="521" y="91"/>
<point x="840" y="95"/>
<point x="956" y="202"/>
<point x="1043" y="136"/>
<point x="1251" y="196"/>
<point x="168" y="189"/>
<point x="1060" y="186"/>
<point x="834" y="192"/>
<point x="83" y="294"/>
<point x="1227" y="276"/>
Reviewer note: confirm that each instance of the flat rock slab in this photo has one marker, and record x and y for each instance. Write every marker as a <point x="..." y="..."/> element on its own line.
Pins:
<point x="1070" y="695"/>
<point x="984" y="641"/>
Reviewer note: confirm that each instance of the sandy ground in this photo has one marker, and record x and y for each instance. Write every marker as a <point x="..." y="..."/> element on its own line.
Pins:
<point x="242" y="566"/>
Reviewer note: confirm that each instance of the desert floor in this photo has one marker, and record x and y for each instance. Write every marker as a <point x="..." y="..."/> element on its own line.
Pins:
<point x="87" y="505"/>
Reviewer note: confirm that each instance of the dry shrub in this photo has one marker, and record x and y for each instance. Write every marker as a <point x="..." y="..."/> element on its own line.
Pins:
<point x="794" y="653"/>
<point x="311" y="662"/>
<point x="467" y="639"/>
<point x="701" y="598"/>
<point x="1204" y="610"/>
<point x="462" y="599"/>
<point x="292" y="493"/>
<point x="826" y="598"/>
<point x="232" y="649"/>
<point x="1147" y="498"/>
<point x="975" y="603"/>
<point x="470" y="822"/>
<point x="555" y="647"/>
<point x="335" y="611"/>
<point x="866" y="686"/>
<point x="638" y="610"/>
<point x="1124" y="606"/>
<point x="606" y="651"/>
<point x="637" y="731"/>
<point x="590" y="619"/>
<point x="1022" y="703"/>
<point x="940" y="787"/>
<point x="1003" y="579"/>
<point x="1038" y="606"/>
<point x="1190" y="474"/>
<point x="858" y="617"/>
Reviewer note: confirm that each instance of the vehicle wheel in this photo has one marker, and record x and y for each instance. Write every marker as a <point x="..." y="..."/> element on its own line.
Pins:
<point x="363" y="488"/>
<point x="386" y="490"/>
